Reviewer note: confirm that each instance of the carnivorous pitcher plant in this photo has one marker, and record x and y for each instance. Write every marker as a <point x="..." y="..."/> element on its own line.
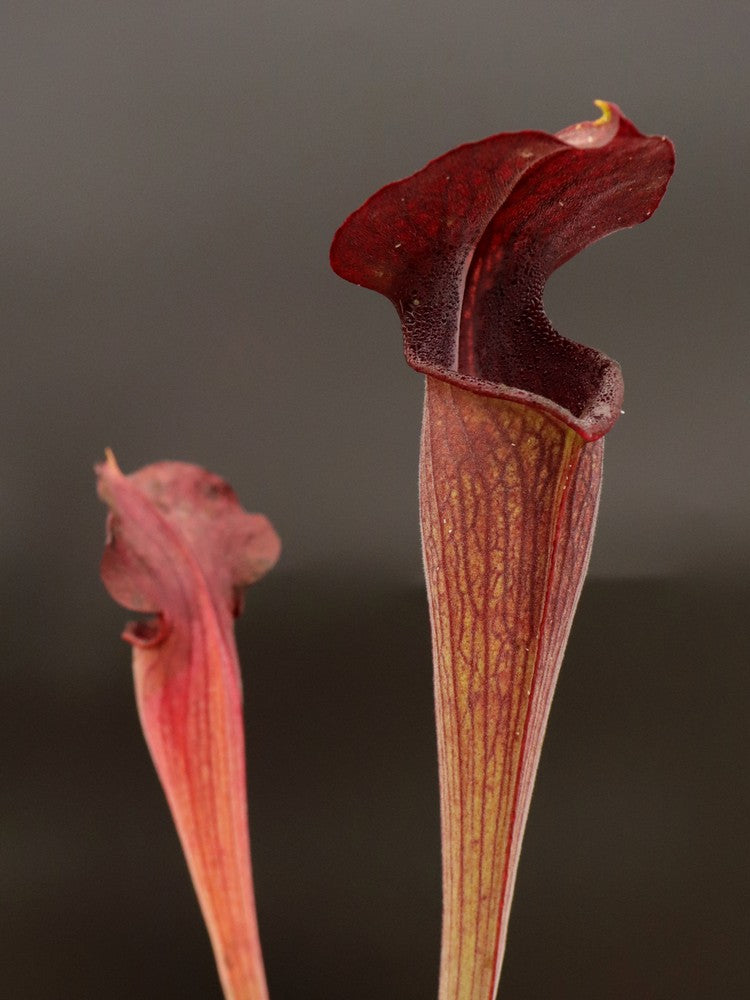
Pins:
<point x="510" y="465"/>
<point x="180" y="548"/>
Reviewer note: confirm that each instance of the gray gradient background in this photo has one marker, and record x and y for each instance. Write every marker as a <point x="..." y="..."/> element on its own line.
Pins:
<point x="172" y="174"/>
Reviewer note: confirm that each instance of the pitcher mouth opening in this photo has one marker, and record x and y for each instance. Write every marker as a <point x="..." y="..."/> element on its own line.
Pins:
<point x="464" y="247"/>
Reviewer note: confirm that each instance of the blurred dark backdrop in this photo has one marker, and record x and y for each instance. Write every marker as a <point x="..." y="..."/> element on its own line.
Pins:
<point x="633" y="880"/>
<point x="172" y="174"/>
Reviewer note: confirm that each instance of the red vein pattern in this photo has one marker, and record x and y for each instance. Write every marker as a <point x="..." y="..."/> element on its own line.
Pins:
<point x="508" y="501"/>
<point x="180" y="547"/>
